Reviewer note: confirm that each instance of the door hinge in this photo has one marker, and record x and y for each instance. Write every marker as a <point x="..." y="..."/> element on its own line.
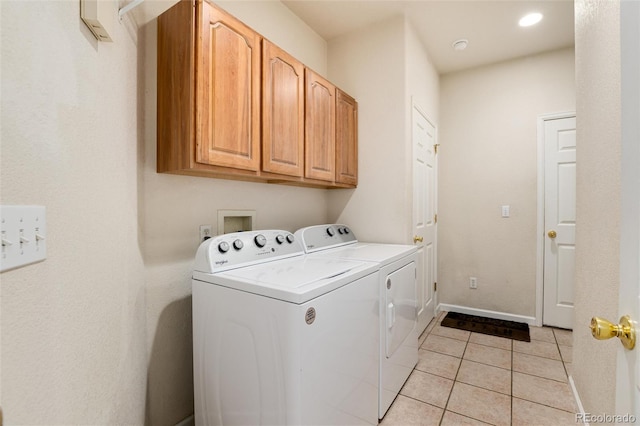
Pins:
<point x="435" y="218"/>
<point x="435" y="147"/>
<point x="435" y="286"/>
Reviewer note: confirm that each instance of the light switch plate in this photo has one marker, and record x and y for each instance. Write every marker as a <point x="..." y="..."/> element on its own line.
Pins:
<point x="24" y="231"/>
<point x="506" y="211"/>
<point x="99" y="16"/>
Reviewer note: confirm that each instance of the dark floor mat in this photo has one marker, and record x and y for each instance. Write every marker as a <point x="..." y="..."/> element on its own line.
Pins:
<point x="494" y="327"/>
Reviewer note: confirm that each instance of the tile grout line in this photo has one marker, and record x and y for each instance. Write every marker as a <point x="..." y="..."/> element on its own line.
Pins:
<point x="455" y="380"/>
<point x="454" y="377"/>
<point x="560" y="352"/>
<point x="497" y="366"/>
<point x="543" y="405"/>
<point x="512" y="371"/>
<point x="546" y="378"/>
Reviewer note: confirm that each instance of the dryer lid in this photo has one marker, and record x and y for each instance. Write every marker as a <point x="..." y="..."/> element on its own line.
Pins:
<point x="370" y="252"/>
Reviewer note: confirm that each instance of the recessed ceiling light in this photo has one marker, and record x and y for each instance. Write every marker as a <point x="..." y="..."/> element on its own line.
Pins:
<point x="460" y="44"/>
<point x="530" y="19"/>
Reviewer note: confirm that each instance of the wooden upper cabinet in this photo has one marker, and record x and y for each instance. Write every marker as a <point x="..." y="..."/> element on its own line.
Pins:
<point x="346" y="139"/>
<point x="176" y="62"/>
<point x="320" y="112"/>
<point x="227" y="119"/>
<point x="282" y="112"/>
<point x="233" y="105"/>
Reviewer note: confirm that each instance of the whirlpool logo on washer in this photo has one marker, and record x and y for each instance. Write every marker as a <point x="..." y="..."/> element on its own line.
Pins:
<point x="310" y="316"/>
<point x="221" y="262"/>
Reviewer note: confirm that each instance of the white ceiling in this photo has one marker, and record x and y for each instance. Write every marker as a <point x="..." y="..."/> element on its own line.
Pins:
<point x="490" y="26"/>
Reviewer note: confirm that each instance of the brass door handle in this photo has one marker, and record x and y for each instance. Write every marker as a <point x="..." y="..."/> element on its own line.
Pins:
<point x="416" y="239"/>
<point x="552" y="234"/>
<point x="602" y="329"/>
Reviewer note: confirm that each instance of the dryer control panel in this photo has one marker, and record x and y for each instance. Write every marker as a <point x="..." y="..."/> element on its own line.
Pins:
<point x="239" y="249"/>
<point x="321" y="237"/>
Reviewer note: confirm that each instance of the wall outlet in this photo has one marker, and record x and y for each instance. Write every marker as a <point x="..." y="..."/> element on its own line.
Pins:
<point x="473" y="282"/>
<point x="205" y="232"/>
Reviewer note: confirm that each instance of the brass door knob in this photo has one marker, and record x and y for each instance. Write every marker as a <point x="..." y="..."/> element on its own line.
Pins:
<point x="416" y="239"/>
<point x="602" y="329"/>
<point x="552" y="234"/>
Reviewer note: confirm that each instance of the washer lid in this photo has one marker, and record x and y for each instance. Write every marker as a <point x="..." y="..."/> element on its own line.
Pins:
<point x="295" y="280"/>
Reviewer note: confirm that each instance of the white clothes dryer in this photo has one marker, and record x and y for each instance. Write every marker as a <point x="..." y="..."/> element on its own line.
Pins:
<point x="282" y="338"/>
<point x="398" y="298"/>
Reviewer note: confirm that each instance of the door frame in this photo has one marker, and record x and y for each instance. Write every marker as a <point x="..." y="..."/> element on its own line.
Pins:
<point x="628" y="362"/>
<point x="540" y="229"/>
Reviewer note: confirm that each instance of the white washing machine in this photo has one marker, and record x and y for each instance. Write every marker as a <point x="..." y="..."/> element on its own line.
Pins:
<point x="282" y="338"/>
<point x="398" y="298"/>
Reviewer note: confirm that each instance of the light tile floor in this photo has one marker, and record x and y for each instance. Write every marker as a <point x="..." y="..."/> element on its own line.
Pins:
<point x="465" y="378"/>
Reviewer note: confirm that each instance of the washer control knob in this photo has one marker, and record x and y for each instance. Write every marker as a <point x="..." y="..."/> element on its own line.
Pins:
<point x="260" y="240"/>
<point x="223" y="247"/>
<point x="345" y="230"/>
<point x="290" y="238"/>
<point x="237" y="244"/>
<point x="331" y="232"/>
<point x="279" y="238"/>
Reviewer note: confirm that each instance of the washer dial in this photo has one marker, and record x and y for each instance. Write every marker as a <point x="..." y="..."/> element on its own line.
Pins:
<point x="260" y="240"/>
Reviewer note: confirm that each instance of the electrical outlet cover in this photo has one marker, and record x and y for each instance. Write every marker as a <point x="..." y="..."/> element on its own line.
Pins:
<point x="205" y="232"/>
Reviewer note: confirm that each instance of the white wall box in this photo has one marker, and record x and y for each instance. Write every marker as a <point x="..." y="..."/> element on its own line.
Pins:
<point x="235" y="220"/>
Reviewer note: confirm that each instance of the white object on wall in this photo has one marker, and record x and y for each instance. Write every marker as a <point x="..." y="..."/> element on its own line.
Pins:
<point x="23" y="236"/>
<point x="99" y="16"/>
<point x="235" y="220"/>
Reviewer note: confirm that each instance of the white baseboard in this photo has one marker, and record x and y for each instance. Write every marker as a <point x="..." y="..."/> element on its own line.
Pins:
<point x="189" y="421"/>
<point x="486" y="313"/>
<point x="577" y="398"/>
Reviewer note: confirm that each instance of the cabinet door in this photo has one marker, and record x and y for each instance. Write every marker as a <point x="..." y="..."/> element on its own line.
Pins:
<point x="320" y="105"/>
<point x="227" y="91"/>
<point x="282" y="112"/>
<point x="346" y="139"/>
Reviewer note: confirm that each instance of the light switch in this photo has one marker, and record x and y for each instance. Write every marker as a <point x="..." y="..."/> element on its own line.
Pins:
<point x="99" y="16"/>
<point x="24" y="232"/>
<point x="506" y="211"/>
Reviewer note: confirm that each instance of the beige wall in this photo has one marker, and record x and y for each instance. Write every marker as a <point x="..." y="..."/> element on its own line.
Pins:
<point x="382" y="66"/>
<point x="73" y="327"/>
<point x="487" y="158"/>
<point x="175" y="206"/>
<point x="278" y="23"/>
<point x="369" y="65"/>
<point x="598" y="198"/>
<point x="423" y="80"/>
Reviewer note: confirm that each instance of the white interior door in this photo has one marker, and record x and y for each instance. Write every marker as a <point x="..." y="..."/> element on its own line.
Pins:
<point x="628" y="364"/>
<point x="559" y="220"/>
<point x="424" y="213"/>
